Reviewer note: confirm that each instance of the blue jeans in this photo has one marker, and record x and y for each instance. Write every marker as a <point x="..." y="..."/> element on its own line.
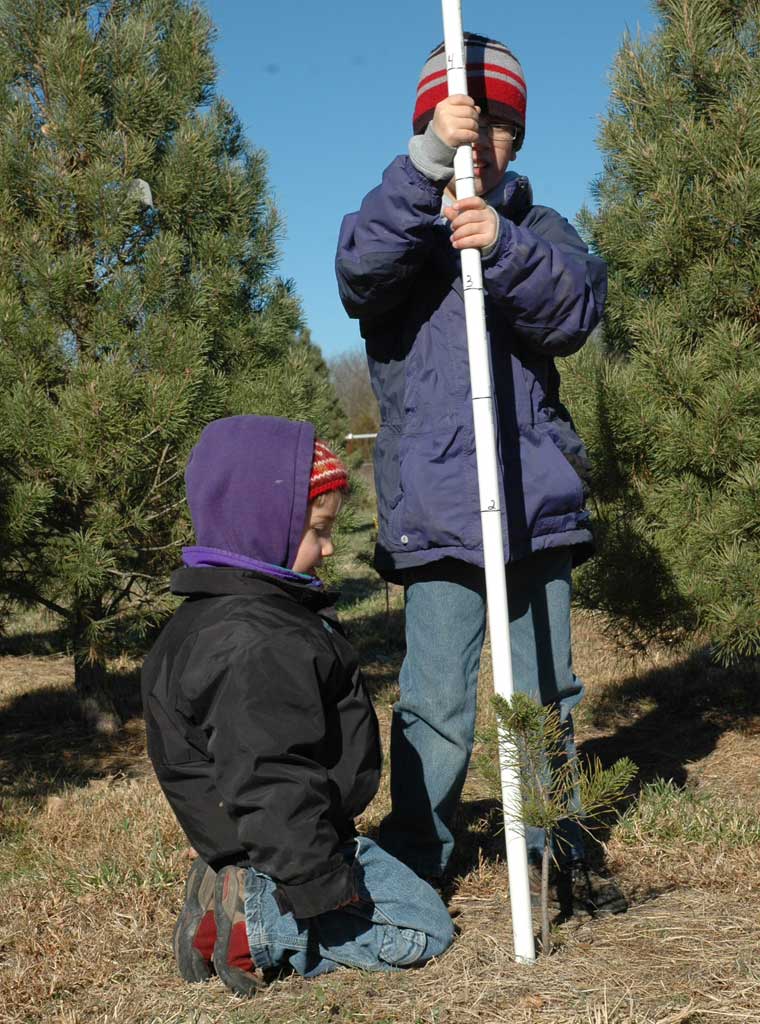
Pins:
<point x="434" y="720"/>
<point x="400" y="921"/>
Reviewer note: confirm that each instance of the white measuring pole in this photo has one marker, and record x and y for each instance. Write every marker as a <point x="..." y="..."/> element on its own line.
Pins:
<point x="490" y="507"/>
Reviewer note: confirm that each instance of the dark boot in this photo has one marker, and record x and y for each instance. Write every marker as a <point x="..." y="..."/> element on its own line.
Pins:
<point x="232" y="955"/>
<point x="582" y="890"/>
<point x="195" y="931"/>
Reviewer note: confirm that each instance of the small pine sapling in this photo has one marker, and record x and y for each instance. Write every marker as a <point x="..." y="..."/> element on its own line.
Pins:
<point x="556" y="786"/>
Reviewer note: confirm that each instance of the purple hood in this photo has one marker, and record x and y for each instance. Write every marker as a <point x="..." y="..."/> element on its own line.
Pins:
<point x="247" y="483"/>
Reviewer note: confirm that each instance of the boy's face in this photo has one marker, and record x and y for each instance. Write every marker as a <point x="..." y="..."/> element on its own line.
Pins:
<point x="491" y="156"/>
<point x="316" y="539"/>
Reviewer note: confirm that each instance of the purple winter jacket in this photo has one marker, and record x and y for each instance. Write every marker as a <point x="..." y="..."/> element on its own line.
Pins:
<point x="398" y="273"/>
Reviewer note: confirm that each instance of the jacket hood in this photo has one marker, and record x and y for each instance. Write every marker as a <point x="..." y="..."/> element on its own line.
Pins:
<point x="247" y="482"/>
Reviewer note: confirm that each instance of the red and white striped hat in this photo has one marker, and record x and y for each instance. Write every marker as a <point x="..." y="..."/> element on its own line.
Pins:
<point x="327" y="472"/>
<point x="495" y="80"/>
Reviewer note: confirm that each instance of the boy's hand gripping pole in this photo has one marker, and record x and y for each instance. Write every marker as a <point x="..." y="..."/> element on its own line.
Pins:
<point x="490" y="508"/>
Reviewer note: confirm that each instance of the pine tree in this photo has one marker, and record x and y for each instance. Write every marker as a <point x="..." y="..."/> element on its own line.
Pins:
<point x="138" y="301"/>
<point x="670" y="402"/>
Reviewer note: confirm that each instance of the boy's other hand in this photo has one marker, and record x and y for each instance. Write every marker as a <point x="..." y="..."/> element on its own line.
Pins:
<point x="474" y="224"/>
<point x="455" y="121"/>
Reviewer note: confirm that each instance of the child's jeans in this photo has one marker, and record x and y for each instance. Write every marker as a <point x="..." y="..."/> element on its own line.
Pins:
<point x="400" y="921"/>
<point x="434" y="720"/>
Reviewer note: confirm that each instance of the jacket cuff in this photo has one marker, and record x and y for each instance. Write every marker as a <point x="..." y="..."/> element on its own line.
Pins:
<point x="432" y="156"/>
<point x="498" y="248"/>
<point x="490" y="249"/>
<point x="318" y="895"/>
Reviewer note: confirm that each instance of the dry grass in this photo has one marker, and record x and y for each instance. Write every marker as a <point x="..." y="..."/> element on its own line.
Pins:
<point x="92" y="862"/>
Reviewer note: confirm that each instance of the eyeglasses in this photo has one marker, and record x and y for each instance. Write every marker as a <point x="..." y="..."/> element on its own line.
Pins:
<point x="499" y="132"/>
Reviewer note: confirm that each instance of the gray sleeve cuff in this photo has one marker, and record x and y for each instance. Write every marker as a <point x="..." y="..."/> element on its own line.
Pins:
<point x="491" y="249"/>
<point x="432" y="156"/>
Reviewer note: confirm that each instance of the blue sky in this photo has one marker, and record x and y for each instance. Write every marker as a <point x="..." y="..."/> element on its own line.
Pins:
<point x="327" y="89"/>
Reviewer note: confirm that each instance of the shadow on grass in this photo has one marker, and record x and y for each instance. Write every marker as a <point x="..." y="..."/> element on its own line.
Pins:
<point x="479" y="832"/>
<point x="675" y="715"/>
<point x="663" y="721"/>
<point x="359" y="588"/>
<point x="379" y="639"/>
<point x="47" y="746"/>
<point x="37" y="642"/>
<point x="666" y="720"/>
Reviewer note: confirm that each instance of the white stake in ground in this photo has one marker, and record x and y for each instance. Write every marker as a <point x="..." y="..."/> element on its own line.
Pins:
<point x="490" y="507"/>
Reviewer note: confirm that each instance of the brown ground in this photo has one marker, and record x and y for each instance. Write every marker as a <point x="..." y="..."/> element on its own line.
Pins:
<point x="92" y="863"/>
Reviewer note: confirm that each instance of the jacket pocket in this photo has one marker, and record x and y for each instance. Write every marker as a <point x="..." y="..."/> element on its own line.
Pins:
<point x="439" y="505"/>
<point x="552" y="490"/>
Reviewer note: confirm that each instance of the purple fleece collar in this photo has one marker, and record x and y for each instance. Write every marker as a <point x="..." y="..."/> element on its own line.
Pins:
<point x="204" y="558"/>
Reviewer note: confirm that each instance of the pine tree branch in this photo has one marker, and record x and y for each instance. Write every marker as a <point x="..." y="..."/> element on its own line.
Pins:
<point x="132" y="575"/>
<point x="42" y="95"/>
<point x="164" y="511"/>
<point x="156" y="485"/>
<point x="119" y="596"/>
<point x="29" y="596"/>
<point x="161" y="547"/>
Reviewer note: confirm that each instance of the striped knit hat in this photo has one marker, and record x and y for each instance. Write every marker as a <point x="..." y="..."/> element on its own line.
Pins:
<point x="495" y="81"/>
<point x="327" y="472"/>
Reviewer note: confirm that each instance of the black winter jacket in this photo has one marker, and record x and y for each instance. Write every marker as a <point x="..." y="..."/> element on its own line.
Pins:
<point x="261" y="732"/>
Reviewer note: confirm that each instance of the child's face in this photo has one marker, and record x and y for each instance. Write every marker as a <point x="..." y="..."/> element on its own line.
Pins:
<point x="316" y="539"/>
<point x="490" y="157"/>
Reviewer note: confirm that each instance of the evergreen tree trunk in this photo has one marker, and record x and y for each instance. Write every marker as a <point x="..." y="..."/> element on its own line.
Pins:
<point x="90" y="674"/>
<point x="546" y="942"/>
<point x="95" y="700"/>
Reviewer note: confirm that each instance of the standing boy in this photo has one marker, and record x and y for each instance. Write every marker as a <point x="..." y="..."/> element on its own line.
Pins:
<point x="399" y="272"/>
<point x="262" y="734"/>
